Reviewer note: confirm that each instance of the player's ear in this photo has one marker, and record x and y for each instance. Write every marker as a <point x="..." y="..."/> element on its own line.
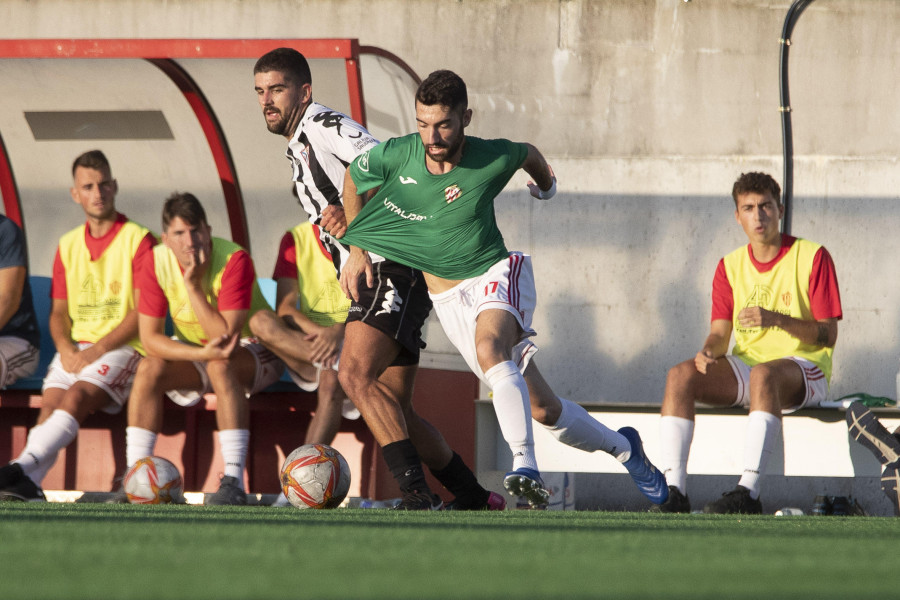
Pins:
<point x="467" y="117"/>
<point x="305" y="93"/>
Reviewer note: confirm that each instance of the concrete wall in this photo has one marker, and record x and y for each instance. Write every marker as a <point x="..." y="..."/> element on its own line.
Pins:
<point x="648" y="110"/>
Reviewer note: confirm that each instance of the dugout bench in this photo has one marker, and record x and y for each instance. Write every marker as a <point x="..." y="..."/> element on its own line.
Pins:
<point x="278" y="419"/>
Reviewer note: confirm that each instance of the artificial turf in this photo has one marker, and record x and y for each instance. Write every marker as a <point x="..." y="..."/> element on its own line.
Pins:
<point x="95" y="551"/>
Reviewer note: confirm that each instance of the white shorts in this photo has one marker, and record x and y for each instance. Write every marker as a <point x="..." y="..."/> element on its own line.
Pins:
<point x="268" y="370"/>
<point x="18" y="359"/>
<point x="310" y="386"/>
<point x="509" y="286"/>
<point x="113" y="373"/>
<point x="814" y="381"/>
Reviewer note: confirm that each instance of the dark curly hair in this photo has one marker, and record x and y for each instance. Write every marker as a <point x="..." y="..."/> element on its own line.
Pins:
<point x="287" y="61"/>
<point x="443" y="88"/>
<point x="758" y="183"/>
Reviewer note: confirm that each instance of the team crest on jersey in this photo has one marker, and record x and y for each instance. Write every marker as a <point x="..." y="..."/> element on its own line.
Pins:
<point x="786" y="298"/>
<point x="304" y="154"/>
<point x="115" y="287"/>
<point x="452" y="192"/>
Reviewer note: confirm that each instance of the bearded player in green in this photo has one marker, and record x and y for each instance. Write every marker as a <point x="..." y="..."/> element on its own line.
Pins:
<point x="426" y="200"/>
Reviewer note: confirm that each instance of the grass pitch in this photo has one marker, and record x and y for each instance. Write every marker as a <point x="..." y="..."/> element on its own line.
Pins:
<point x="68" y="551"/>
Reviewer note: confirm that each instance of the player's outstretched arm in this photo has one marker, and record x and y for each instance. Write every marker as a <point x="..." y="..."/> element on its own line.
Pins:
<point x="543" y="183"/>
<point x="821" y="333"/>
<point x="359" y="261"/>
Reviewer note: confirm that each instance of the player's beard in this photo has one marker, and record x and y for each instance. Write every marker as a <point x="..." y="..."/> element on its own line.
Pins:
<point x="277" y="127"/>
<point x="446" y="151"/>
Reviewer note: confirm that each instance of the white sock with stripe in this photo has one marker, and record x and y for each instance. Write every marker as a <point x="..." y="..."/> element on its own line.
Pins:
<point x="235" y="444"/>
<point x="675" y="437"/>
<point x="578" y="429"/>
<point x="762" y="429"/>
<point x="513" y="409"/>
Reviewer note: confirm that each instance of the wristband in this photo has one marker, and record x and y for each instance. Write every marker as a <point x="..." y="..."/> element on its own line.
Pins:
<point x="546" y="195"/>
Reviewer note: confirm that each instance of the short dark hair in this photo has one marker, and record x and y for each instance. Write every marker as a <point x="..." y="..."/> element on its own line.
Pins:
<point x="92" y="159"/>
<point x="443" y="88"/>
<point x="287" y="61"/>
<point x="186" y="207"/>
<point x="757" y="183"/>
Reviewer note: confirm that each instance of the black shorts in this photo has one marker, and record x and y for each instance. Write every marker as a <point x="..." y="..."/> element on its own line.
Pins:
<point x="397" y="305"/>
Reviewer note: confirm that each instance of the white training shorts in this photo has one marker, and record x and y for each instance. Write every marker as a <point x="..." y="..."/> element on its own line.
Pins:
<point x="18" y="359"/>
<point x="509" y="286"/>
<point x="113" y="373"/>
<point x="814" y="381"/>
<point x="268" y="370"/>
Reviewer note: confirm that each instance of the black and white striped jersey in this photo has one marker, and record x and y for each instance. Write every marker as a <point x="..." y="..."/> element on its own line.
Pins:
<point x="322" y="147"/>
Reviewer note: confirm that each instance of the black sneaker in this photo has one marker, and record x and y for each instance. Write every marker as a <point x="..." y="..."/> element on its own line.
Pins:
<point x="10" y="474"/>
<point x="416" y="500"/>
<point x="890" y="485"/>
<point x="735" y="502"/>
<point x="675" y="503"/>
<point x="840" y="506"/>
<point x="494" y="502"/>
<point x="23" y="490"/>
<point x="230" y="493"/>
<point x="866" y="429"/>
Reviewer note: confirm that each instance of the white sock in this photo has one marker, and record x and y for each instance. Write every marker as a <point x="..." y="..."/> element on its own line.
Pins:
<point x="44" y="443"/>
<point x="762" y="429"/>
<point x="578" y="429"/>
<point x="513" y="409"/>
<point x="234" y="444"/>
<point x="675" y="437"/>
<point x="139" y="443"/>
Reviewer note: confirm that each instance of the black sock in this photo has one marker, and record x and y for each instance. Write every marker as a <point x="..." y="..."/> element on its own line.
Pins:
<point x="405" y="465"/>
<point x="461" y="482"/>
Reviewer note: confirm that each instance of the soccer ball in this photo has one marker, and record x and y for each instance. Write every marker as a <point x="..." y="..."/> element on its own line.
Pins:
<point x="154" y="480"/>
<point x="315" y="476"/>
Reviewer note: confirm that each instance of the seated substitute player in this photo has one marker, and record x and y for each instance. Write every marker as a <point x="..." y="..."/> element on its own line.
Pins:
<point x="434" y="210"/>
<point x="866" y="429"/>
<point x="20" y="338"/>
<point x="92" y="321"/>
<point x="209" y="287"/>
<point x="779" y="294"/>
<point x="307" y="329"/>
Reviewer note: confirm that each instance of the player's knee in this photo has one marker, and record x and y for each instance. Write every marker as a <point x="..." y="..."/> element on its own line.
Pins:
<point x="490" y="352"/>
<point x="262" y="324"/>
<point x="352" y="380"/>
<point x="764" y="376"/>
<point x="680" y="383"/>
<point x="150" y="368"/>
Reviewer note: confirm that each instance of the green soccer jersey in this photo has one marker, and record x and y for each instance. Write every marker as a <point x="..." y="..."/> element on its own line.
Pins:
<point x="440" y="224"/>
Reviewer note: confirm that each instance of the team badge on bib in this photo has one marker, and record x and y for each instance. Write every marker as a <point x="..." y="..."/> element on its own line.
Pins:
<point x="452" y="192"/>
